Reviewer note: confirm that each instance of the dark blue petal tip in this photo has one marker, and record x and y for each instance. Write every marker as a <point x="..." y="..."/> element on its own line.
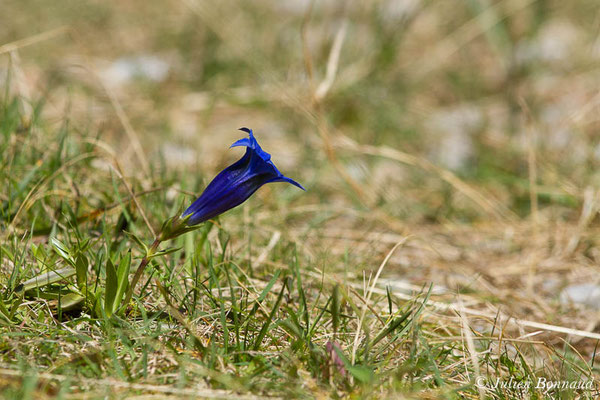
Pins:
<point x="293" y="182"/>
<point x="251" y="143"/>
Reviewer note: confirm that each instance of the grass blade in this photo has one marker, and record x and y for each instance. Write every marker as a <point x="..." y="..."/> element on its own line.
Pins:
<point x="111" y="287"/>
<point x="45" y="279"/>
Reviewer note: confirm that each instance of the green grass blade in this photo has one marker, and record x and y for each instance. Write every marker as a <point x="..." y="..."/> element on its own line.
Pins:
<point x="111" y="287"/>
<point x="269" y="320"/>
<point x="45" y="279"/>
<point x="122" y="280"/>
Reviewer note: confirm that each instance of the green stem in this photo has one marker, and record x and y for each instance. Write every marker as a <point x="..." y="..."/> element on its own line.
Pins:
<point x="140" y="270"/>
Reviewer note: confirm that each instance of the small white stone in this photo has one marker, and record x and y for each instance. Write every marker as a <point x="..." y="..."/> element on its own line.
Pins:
<point x="125" y="69"/>
<point x="586" y="293"/>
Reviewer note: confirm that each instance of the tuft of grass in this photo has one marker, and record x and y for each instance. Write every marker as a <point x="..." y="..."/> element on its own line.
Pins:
<point x="458" y="139"/>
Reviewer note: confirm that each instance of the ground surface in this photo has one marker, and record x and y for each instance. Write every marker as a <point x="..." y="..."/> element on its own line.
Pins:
<point x="447" y="245"/>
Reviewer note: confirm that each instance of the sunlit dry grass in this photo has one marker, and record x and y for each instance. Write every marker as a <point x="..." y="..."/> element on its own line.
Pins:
<point x="449" y="151"/>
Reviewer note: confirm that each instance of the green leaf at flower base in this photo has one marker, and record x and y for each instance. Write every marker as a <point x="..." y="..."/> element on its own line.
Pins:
<point x="136" y="239"/>
<point x="175" y="226"/>
<point x="122" y="280"/>
<point x="62" y="250"/>
<point x="5" y="315"/>
<point x="45" y="279"/>
<point x="81" y="267"/>
<point x="16" y="303"/>
<point x="164" y="252"/>
<point x="71" y="301"/>
<point x="361" y="373"/>
<point x="111" y="287"/>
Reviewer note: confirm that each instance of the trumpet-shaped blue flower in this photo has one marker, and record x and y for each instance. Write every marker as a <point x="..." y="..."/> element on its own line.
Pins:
<point x="236" y="183"/>
<point x="229" y="189"/>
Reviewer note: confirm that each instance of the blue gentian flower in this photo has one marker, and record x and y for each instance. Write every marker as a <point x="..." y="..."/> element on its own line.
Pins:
<point x="229" y="189"/>
<point x="236" y="183"/>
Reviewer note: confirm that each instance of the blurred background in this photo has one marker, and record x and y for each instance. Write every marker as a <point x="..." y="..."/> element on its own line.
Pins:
<point x="469" y="86"/>
<point x="471" y="125"/>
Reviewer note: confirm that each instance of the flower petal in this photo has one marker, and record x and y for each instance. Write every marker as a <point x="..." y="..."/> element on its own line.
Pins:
<point x="242" y="142"/>
<point x="236" y="183"/>
<point x="251" y="143"/>
<point x="288" y="180"/>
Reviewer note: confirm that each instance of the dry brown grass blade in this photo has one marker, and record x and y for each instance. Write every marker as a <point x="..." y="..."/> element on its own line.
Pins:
<point x="317" y="114"/>
<point x="530" y="131"/>
<point x="589" y="210"/>
<point x="516" y="321"/>
<point x="267" y="249"/>
<point x="486" y="203"/>
<point x="23" y="88"/>
<point x="115" y="166"/>
<point x="332" y="63"/>
<point x="179" y="316"/>
<point x="38" y="186"/>
<point x="28" y="41"/>
<point x="492" y="316"/>
<point x="197" y="392"/>
<point x="476" y="26"/>
<point x="369" y="294"/>
<point x="468" y="337"/>
<point x="129" y="130"/>
<point x="120" y="112"/>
